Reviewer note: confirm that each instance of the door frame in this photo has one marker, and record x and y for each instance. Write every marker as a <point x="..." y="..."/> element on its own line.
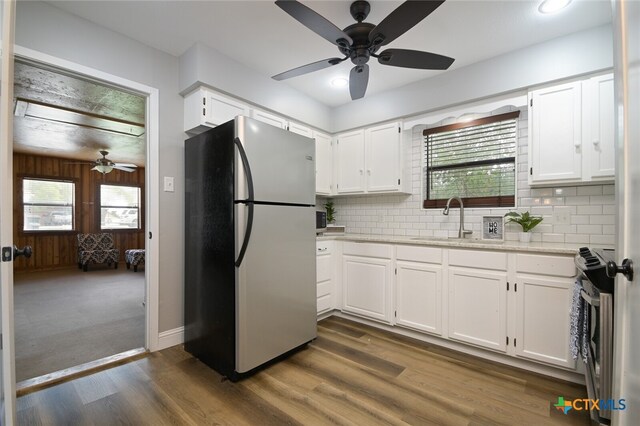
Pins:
<point x="8" y="372"/>
<point x="152" y="179"/>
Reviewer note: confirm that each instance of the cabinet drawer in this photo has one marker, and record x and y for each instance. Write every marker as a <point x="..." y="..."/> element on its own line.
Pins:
<point x="383" y="251"/>
<point x="324" y="303"/>
<point x="324" y="288"/>
<point x="546" y="265"/>
<point x="478" y="259"/>
<point x="323" y="268"/>
<point x="419" y="254"/>
<point x="324" y="247"/>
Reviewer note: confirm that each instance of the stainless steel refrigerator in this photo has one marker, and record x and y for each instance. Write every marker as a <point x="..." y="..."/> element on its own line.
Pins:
<point x="250" y="272"/>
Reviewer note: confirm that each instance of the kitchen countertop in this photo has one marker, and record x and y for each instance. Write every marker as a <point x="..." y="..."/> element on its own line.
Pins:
<point x="532" y="247"/>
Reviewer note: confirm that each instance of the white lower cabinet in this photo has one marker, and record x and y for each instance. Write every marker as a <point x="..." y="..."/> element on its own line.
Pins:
<point x="366" y="280"/>
<point x="517" y="304"/>
<point x="419" y="299"/>
<point x="543" y="304"/>
<point x="478" y="307"/>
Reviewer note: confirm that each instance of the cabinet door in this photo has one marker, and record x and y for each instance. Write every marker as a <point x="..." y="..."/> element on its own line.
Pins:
<point x="419" y="296"/>
<point x="478" y="307"/>
<point x="221" y="109"/>
<point x="555" y="134"/>
<point x="382" y="146"/>
<point x="324" y="163"/>
<point x="367" y="287"/>
<point x="300" y="129"/>
<point x="350" y="155"/>
<point x="542" y="319"/>
<point x="267" y="117"/>
<point x="601" y="121"/>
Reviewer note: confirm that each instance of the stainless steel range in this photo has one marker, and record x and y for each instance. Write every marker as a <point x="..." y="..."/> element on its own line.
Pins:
<point x="597" y="291"/>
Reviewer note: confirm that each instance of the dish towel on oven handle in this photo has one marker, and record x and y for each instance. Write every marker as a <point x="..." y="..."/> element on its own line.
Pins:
<point x="579" y="323"/>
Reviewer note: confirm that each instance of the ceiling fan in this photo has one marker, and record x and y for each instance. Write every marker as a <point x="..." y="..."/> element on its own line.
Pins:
<point x="360" y="41"/>
<point x="104" y="165"/>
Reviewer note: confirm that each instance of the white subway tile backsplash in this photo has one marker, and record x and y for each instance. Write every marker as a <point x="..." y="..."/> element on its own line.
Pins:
<point x="589" y="229"/>
<point x="591" y="208"/>
<point x="597" y="240"/>
<point x="595" y="209"/>
<point x="605" y="219"/>
<point x="590" y="190"/>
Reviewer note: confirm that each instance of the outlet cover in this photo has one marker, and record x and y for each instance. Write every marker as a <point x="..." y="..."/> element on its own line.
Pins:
<point x="561" y="216"/>
<point x="168" y="184"/>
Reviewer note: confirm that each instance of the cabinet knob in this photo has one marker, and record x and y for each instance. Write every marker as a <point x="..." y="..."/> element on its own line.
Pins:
<point x="361" y="171"/>
<point x="369" y="171"/>
<point x="596" y="142"/>
<point x="577" y="144"/>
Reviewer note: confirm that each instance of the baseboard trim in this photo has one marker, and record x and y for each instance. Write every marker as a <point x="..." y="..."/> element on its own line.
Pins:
<point x="169" y="338"/>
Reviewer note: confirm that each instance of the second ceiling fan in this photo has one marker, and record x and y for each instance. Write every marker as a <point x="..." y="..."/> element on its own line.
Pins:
<point x="362" y="40"/>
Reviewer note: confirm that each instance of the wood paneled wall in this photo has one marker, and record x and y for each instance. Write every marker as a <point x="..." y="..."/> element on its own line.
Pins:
<point x="57" y="249"/>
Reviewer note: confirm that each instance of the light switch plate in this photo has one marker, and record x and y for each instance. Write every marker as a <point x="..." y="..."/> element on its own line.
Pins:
<point x="169" y="184"/>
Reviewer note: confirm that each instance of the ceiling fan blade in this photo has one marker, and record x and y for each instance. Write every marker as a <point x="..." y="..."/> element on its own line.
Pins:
<point x="315" y="66"/>
<point x="401" y="20"/>
<point x="315" y="22"/>
<point x="133" y="166"/>
<point x="414" y="59"/>
<point x="123" y="168"/>
<point x="358" y="80"/>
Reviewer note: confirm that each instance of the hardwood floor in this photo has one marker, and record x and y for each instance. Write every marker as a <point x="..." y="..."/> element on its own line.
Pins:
<point x="351" y="375"/>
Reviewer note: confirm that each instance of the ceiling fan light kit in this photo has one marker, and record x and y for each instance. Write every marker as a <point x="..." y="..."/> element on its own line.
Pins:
<point x="104" y="165"/>
<point x="362" y="40"/>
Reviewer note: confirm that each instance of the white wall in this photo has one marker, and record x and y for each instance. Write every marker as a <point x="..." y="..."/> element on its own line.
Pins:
<point x="591" y="208"/>
<point x="204" y="65"/>
<point x="47" y="29"/>
<point x="572" y="55"/>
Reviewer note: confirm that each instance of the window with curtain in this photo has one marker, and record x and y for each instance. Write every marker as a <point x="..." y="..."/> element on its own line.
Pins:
<point x="119" y="207"/>
<point x="48" y="205"/>
<point x="475" y="160"/>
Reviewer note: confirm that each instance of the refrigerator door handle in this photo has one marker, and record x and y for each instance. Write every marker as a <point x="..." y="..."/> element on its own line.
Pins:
<point x="248" y="201"/>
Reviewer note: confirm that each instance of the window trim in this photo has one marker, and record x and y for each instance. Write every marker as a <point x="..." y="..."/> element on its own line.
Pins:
<point x="98" y="210"/>
<point x="74" y="207"/>
<point x="492" y="201"/>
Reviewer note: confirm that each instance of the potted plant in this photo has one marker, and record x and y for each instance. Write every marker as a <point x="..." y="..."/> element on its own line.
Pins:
<point x="331" y="211"/>
<point x="525" y="220"/>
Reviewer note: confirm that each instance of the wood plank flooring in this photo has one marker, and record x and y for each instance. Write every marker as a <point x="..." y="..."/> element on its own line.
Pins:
<point x="351" y="375"/>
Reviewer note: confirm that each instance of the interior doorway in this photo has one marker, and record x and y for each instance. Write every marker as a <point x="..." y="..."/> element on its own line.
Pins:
<point x="80" y="149"/>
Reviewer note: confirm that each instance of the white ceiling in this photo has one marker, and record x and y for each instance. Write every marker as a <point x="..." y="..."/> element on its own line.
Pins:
<point x="261" y="36"/>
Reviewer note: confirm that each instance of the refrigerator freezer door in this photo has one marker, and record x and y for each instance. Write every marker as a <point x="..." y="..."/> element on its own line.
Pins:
<point x="276" y="285"/>
<point x="282" y="163"/>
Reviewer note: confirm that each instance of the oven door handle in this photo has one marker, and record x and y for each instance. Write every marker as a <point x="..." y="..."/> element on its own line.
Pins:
<point x="593" y="301"/>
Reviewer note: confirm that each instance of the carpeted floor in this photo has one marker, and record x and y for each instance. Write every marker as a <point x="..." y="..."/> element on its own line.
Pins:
<point x="66" y="318"/>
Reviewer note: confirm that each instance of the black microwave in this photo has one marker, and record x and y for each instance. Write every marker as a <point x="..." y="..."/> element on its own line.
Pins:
<point x="321" y="221"/>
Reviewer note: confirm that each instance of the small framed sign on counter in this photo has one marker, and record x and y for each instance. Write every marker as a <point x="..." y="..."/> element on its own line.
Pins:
<point x="492" y="227"/>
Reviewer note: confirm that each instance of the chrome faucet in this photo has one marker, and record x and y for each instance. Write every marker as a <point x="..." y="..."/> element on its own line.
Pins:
<point x="461" y="232"/>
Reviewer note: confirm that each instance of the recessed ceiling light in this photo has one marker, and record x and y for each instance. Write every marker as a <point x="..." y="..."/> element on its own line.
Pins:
<point x="553" y="6"/>
<point x="339" y="82"/>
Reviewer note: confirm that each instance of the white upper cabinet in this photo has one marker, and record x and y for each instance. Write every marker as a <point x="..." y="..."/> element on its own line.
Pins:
<point x="269" y="118"/>
<point x="571" y="132"/>
<point x="369" y="160"/>
<point x="601" y="142"/>
<point x="300" y="129"/>
<point x="555" y="133"/>
<point x="350" y="162"/>
<point x="324" y="163"/>
<point x="382" y="146"/>
<point x="204" y="109"/>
